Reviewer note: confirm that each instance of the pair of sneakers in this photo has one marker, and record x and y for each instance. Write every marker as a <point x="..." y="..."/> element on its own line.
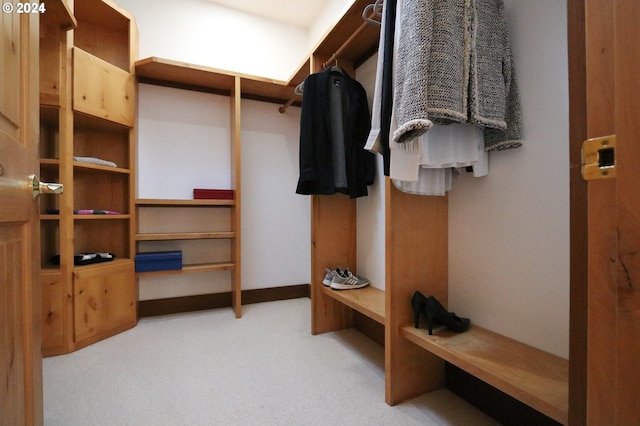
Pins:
<point x="339" y="279"/>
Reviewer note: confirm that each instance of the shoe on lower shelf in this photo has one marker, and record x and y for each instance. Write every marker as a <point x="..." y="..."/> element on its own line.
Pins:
<point x="329" y="274"/>
<point x="345" y="280"/>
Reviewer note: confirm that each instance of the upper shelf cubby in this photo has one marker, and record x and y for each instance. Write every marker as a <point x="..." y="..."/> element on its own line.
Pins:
<point x="104" y="30"/>
<point x="59" y="14"/>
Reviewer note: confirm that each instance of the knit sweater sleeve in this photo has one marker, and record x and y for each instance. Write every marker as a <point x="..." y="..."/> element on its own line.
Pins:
<point x="510" y="137"/>
<point x="410" y="92"/>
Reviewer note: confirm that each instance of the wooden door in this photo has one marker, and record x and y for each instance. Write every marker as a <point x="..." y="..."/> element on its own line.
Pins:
<point x="20" y="358"/>
<point x="613" y="294"/>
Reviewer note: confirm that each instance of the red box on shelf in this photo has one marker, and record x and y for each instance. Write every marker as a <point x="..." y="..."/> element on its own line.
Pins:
<point x="213" y="194"/>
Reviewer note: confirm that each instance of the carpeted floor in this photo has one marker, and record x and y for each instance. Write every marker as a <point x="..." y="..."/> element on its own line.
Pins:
<point x="208" y="368"/>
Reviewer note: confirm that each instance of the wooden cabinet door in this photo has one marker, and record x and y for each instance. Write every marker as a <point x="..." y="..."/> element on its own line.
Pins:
<point x="104" y="300"/>
<point x="102" y="90"/>
<point x="20" y="359"/>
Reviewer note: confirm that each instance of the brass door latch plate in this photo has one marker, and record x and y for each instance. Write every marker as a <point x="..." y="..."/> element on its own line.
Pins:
<point x="599" y="158"/>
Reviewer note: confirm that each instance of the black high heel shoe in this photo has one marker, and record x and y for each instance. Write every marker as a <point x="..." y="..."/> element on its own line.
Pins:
<point x="419" y="304"/>
<point x="435" y="311"/>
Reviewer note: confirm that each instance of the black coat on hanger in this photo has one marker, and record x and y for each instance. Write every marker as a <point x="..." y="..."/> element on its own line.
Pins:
<point x="316" y="159"/>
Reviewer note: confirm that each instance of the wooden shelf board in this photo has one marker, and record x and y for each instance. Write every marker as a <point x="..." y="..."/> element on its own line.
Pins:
<point x="102" y="264"/>
<point x="185" y="236"/>
<point x="182" y="203"/>
<point x="187" y="269"/>
<point x="535" y="377"/>
<point x="83" y="120"/>
<point x="52" y="162"/>
<point x="49" y="107"/>
<point x="49" y="217"/>
<point x="170" y="71"/>
<point x="50" y="269"/>
<point x="167" y="72"/>
<point x="274" y="92"/>
<point x="80" y="166"/>
<point x="60" y="14"/>
<point x="368" y="300"/>
<point x="101" y="216"/>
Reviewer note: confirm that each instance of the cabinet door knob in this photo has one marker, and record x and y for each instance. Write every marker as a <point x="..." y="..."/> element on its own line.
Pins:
<point x="38" y="187"/>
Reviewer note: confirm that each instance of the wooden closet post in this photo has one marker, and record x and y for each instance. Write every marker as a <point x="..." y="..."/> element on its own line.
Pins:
<point x="416" y="260"/>
<point x="64" y="342"/>
<point x="236" y="290"/>
<point x="333" y="244"/>
<point x="134" y="36"/>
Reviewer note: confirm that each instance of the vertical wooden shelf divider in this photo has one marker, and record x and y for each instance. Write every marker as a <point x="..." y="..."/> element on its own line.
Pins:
<point x="415" y="260"/>
<point x="66" y="199"/>
<point x="236" y="273"/>
<point x="333" y="244"/>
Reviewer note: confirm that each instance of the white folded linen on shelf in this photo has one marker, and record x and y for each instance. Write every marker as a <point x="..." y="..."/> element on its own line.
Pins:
<point x="96" y="161"/>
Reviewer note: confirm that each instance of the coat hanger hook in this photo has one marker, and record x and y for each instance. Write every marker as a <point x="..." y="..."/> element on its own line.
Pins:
<point x="377" y="7"/>
<point x="368" y="12"/>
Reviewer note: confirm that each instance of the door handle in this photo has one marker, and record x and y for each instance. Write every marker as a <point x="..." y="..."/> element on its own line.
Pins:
<point x="38" y="187"/>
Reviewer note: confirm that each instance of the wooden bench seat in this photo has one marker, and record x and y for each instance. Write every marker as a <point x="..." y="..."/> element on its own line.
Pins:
<point x="534" y="377"/>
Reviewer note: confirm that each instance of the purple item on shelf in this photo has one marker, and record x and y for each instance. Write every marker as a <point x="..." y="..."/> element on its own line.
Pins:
<point x="86" y="211"/>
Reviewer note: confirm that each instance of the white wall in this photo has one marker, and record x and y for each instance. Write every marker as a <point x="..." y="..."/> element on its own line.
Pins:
<point x="333" y="10"/>
<point x="183" y="142"/>
<point x="204" y="33"/>
<point x="370" y="219"/>
<point x="276" y="222"/>
<point x="509" y="231"/>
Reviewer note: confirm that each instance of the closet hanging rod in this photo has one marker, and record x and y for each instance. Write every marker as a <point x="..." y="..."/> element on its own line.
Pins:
<point x="333" y="58"/>
<point x="290" y="102"/>
<point x="346" y="44"/>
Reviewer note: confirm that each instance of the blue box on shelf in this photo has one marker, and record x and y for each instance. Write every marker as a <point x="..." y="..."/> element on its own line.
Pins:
<point x="159" y="261"/>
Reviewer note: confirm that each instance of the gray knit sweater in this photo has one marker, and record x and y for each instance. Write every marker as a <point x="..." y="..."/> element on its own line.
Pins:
<point x="454" y="65"/>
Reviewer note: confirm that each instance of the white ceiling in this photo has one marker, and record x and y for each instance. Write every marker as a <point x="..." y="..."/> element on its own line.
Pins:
<point x="295" y="12"/>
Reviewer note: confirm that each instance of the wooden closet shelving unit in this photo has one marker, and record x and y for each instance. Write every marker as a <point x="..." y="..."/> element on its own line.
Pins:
<point x="169" y="73"/>
<point x="171" y="237"/>
<point x="416" y="259"/>
<point x="182" y="75"/>
<point x="87" y="109"/>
